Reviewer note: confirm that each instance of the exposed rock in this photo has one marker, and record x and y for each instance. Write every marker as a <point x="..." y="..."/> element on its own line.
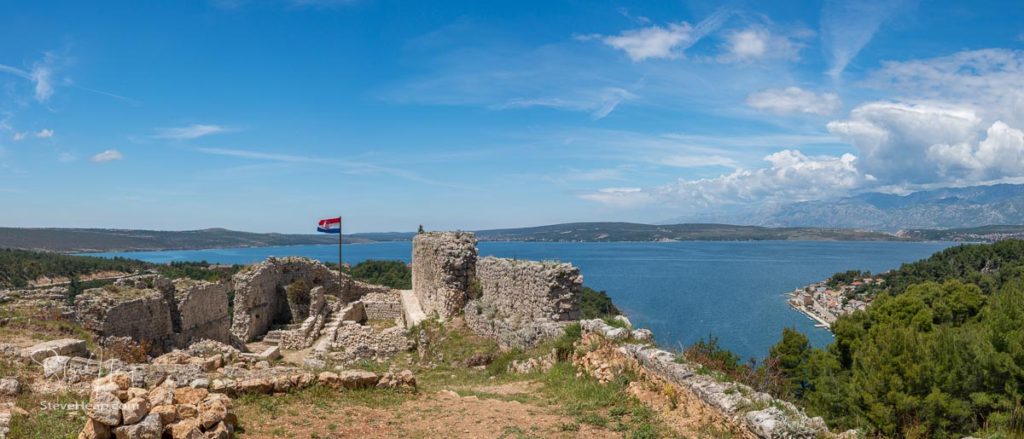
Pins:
<point x="149" y="428"/>
<point x="134" y="410"/>
<point x="67" y="347"/>
<point x="105" y="408"/>
<point x="93" y="430"/>
<point x="402" y="380"/>
<point x="9" y="387"/>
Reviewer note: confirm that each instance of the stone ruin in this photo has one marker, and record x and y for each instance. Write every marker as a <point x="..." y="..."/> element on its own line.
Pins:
<point x="154" y="310"/>
<point x="262" y="298"/>
<point x="523" y="302"/>
<point x="517" y="303"/>
<point x="443" y="265"/>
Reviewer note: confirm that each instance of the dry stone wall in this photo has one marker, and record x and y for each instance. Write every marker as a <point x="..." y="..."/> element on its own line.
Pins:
<point x="530" y="290"/>
<point x="444" y="264"/>
<point x="203" y="312"/>
<point x="154" y="310"/>
<point x="382" y="306"/>
<point x="260" y="298"/>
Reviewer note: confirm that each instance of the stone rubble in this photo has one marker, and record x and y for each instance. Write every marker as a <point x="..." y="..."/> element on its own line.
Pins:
<point x="760" y="413"/>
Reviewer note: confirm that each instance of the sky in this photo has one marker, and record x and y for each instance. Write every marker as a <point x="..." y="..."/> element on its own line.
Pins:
<point x="267" y="115"/>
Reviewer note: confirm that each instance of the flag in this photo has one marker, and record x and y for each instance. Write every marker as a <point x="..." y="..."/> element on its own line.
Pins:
<point x="329" y="225"/>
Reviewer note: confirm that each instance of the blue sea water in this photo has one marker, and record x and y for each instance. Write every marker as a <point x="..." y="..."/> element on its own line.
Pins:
<point x="683" y="291"/>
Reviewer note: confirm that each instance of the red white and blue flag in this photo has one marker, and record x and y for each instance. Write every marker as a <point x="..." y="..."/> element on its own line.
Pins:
<point x="329" y="225"/>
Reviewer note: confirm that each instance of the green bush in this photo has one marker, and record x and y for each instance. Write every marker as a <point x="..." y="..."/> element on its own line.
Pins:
<point x="394" y="274"/>
<point x="596" y="304"/>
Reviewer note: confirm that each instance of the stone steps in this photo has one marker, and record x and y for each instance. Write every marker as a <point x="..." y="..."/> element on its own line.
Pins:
<point x="329" y="332"/>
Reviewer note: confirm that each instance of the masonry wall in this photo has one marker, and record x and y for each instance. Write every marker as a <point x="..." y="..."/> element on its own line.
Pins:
<point x="444" y="264"/>
<point x="260" y="299"/>
<point x="202" y="309"/>
<point x="530" y="290"/>
<point x="143" y="315"/>
<point x="382" y="306"/>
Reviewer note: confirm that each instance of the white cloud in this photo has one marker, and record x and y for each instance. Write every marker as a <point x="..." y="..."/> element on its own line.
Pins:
<point x="759" y="43"/>
<point x="44" y="133"/>
<point x="625" y="197"/>
<point x="991" y="80"/>
<point x="599" y="104"/>
<point x="848" y="25"/>
<point x="17" y="137"/>
<point x="661" y="42"/>
<point x="790" y="176"/>
<point x="40" y="74"/>
<point x="931" y="143"/>
<point x="190" y="132"/>
<point x="107" y="156"/>
<point x="791" y="100"/>
<point x="66" y="157"/>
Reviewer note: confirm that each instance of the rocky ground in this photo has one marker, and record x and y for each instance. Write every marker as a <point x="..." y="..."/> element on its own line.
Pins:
<point x="465" y="387"/>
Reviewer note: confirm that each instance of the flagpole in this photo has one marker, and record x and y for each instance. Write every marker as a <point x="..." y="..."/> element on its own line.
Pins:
<point x="340" y="269"/>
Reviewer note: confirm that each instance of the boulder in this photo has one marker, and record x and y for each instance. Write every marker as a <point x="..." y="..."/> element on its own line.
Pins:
<point x="168" y="413"/>
<point x="134" y="410"/>
<point x="161" y="395"/>
<point x="188" y="395"/>
<point x="55" y="366"/>
<point x="105" y="408"/>
<point x="357" y="379"/>
<point x="643" y="335"/>
<point x="149" y="428"/>
<point x="94" y="430"/>
<point x="9" y="387"/>
<point x="67" y="346"/>
<point x="185" y="429"/>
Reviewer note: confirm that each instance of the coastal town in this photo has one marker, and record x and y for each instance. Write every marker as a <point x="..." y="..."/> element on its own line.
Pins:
<point x="839" y="295"/>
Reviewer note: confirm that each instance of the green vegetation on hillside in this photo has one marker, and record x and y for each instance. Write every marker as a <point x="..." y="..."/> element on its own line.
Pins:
<point x="596" y="304"/>
<point x="18" y="267"/>
<point x="939" y="353"/>
<point x="394" y="274"/>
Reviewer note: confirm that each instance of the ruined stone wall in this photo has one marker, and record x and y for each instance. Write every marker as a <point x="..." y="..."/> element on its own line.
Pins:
<point x="530" y="289"/>
<point x="202" y="309"/>
<point x="144" y="315"/>
<point x="260" y="299"/>
<point x="443" y="265"/>
<point x="355" y="342"/>
<point x="382" y="306"/>
<point x="510" y="333"/>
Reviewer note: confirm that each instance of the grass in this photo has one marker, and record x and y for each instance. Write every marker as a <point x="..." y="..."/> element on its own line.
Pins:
<point x="40" y="323"/>
<point x="55" y="420"/>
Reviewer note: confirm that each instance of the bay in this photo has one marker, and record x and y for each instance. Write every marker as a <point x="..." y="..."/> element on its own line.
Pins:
<point x="683" y="291"/>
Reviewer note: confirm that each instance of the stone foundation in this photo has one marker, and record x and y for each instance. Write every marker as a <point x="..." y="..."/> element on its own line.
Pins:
<point x="443" y="266"/>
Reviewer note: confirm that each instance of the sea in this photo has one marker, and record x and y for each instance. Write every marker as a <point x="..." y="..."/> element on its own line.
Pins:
<point x="685" y="291"/>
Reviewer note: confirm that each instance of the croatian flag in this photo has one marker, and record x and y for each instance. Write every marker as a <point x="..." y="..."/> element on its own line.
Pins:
<point x="329" y="225"/>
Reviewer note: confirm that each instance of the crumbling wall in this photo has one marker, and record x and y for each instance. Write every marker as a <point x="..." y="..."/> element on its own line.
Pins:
<point x="202" y="309"/>
<point x="260" y="299"/>
<point x="382" y="306"/>
<point x="531" y="289"/>
<point x="522" y="303"/>
<point x="144" y="315"/>
<point x="443" y="266"/>
<point x="154" y="310"/>
<point x="355" y="342"/>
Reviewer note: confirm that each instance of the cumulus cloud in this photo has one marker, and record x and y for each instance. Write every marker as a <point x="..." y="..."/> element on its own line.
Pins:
<point x="44" y="133"/>
<point x="107" y="156"/>
<point x="792" y="100"/>
<point x="190" y="132"/>
<point x="790" y="176"/>
<point x="759" y="43"/>
<point x="991" y="80"/>
<point x="661" y="42"/>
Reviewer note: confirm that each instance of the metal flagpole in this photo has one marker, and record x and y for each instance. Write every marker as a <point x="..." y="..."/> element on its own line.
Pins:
<point x="340" y="269"/>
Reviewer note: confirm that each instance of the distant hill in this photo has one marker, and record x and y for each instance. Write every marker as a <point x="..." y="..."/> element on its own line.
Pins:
<point x="675" y="232"/>
<point x="84" y="240"/>
<point x="973" y="234"/>
<point x="934" y="209"/>
<point x="95" y="240"/>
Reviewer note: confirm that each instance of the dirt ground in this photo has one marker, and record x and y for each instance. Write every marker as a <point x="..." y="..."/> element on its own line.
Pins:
<point x="443" y="414"/>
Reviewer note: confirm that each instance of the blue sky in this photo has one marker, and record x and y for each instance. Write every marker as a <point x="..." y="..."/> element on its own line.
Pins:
<point x="266" y="115"/>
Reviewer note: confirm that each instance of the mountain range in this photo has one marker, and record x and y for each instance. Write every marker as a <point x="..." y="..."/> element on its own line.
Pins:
<point x="947" y="208"/>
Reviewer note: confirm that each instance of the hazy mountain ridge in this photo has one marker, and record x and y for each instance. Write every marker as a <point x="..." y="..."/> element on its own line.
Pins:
<point x="947" y="208"/>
